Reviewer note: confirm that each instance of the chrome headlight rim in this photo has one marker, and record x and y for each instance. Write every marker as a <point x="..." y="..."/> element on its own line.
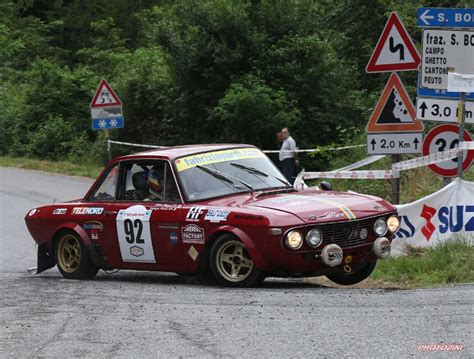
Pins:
<point x="310" y="233"/>
<point x="292" y="233"/>
<point x="390" y="219"/>
<point x="380" y="221"/>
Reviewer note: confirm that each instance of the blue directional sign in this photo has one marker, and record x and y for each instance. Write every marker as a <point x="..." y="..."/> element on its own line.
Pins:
<point x="426" y="92"/>
<point x="439" y="17"/>
<point x="107" y="123"/>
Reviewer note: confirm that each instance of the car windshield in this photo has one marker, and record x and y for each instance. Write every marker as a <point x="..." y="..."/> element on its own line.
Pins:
<point x="218" y="173"/>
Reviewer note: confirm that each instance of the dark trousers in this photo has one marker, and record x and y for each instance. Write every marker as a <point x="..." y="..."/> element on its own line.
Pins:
<point x="288" y="168"/>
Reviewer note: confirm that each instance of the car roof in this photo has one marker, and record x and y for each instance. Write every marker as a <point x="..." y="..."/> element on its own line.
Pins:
<point x="184" y="150"/>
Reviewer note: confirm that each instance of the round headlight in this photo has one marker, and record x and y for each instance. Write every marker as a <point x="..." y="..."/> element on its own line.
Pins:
<point x="294" y="240"/>
<point x="314" y="237"/>
<point x="380" y="227"/>
<point x="393" y="223"/>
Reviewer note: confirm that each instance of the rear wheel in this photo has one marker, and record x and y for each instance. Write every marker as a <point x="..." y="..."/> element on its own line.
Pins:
<point x="72" y="258"/>
<point x="353" y="277"/>
<point x="232" y="265"/>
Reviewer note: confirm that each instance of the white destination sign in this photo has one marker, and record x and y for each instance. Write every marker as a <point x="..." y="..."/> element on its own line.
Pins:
<point x="443" y="49"/>
<point x="434" y="109"/>
<point x="394" y="143"/>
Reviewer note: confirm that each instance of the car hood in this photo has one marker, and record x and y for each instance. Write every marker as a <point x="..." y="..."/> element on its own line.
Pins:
<point x="323" y="206"/>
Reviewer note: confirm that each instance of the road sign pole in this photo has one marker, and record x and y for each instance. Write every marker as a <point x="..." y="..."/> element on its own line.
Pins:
<point x="395" y="183"/>
<point x="109" y="148"/>
<point x="462" y="119"/>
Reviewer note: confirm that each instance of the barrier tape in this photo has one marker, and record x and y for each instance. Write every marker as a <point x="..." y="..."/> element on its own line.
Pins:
<point x="347" y="172"/>
<point x="264" y="151"/>
<point x="131" y="144"/>
<point x="316" y="149"/>
<point x="367" y="174"/>
<point x="364" y="162"/>
<point x="396" y="167"/>
<point x="433" y="158"/>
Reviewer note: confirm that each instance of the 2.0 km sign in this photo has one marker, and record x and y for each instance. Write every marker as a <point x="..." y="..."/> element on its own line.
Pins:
<point x="394" y="143"/>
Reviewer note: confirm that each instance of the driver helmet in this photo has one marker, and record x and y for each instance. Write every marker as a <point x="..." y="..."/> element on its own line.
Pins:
<point x="155" y="180"/>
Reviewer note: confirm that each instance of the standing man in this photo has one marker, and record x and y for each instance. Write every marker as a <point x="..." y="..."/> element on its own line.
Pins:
<point x="287" y="156"/>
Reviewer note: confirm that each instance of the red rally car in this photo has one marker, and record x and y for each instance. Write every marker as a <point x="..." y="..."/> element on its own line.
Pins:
<point x="223" y="212"/>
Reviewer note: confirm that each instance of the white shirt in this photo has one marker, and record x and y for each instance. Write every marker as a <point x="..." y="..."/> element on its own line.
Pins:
<point x="288" y="149"/>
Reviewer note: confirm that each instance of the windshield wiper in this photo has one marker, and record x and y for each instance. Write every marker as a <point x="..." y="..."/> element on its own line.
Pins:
<point x="258" y="172"/>
<point x="224" y="176"/>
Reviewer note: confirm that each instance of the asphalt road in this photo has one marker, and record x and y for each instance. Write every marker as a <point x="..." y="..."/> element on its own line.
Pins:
<point x="143" y="314"/>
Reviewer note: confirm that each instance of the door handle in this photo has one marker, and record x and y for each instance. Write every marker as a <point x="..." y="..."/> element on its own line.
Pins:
<point x="110" y="212"/>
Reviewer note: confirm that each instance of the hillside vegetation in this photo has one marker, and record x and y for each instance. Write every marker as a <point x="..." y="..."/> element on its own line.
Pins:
<point x="195" y="72"/>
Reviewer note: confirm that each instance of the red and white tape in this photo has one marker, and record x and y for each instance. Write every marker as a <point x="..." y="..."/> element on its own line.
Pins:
<point x="368" y="174"/>
<point x="396" y="167"/>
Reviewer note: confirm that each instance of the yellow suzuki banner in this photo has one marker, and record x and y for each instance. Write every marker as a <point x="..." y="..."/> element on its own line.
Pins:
<point x="208" y="158"/>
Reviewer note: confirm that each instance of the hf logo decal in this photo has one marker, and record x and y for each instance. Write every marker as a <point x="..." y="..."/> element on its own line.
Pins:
<point x="195" y="213"/>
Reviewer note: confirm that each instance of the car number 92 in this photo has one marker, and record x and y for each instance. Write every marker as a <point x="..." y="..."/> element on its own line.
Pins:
<point x="134" y="236"/>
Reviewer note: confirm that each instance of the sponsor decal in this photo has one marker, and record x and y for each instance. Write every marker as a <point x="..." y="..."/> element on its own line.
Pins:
<point x="195" y="213"/>
<point x="165" y="207"/>
<point x="93" y="225"/>
<point x="168" y="226"/>
<point x="334" y="254"/>
<point x="88" y="210"/>
<point x="249" y="217"/>
<point x="380" y="208"/>
<point x="208" y="158"/>
<point x="193" y="253"/>
<point x="60" y="211"/>
<point x="94" y="235"/>
<point x="32" y="212"/>
<point x="215" y="215"/>
<point x="173" y="238"/>
<point x="327" y="215"/>
<point x="192" y="234"/>
<point x="136" y="251"/>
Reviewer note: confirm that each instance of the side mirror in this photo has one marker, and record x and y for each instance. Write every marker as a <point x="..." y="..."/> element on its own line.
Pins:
<point x="326" y="186"/>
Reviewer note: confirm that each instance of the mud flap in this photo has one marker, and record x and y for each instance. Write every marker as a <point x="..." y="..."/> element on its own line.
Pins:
<point x="45" y="259"/>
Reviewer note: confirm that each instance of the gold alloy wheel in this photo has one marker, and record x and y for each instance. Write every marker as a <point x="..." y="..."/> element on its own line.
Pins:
<point x="233" y="261"/>
<point x="69" y="253"/>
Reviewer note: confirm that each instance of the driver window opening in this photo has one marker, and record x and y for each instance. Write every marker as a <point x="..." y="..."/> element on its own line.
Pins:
<point x="150" y="182"/>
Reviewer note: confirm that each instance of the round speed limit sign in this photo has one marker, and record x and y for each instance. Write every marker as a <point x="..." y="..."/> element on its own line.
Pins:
<point x="443" y="138"/>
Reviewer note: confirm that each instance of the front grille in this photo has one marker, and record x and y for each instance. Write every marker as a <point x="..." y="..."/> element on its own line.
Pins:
<point x="346" y="234"/>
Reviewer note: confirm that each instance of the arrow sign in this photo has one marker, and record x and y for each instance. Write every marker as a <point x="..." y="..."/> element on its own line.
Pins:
<point x="439" y="17"/>
<point x="394" y="143"/>
<point x="432" y="109"/>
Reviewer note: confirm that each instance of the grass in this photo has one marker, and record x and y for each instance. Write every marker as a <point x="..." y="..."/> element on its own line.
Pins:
<point x="63" y="167"/>
<point x="449" y="263"/>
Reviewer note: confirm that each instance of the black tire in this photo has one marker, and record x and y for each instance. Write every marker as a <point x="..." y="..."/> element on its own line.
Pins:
<point x="356" y="276"/>
<point x="72" y="258"/>
<point x="231" y="264"/>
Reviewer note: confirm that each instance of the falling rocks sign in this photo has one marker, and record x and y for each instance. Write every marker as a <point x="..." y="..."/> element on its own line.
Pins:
<point x="442" y="216"/>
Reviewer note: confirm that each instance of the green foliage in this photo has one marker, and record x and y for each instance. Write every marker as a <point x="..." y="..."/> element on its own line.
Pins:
<point x="251" y="110"/>
<point x="194" y="72"/>
<point x="449" y="263"/>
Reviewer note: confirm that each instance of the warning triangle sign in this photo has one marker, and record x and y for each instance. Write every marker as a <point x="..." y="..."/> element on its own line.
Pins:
<point x="394" y="111"/>
<point x="395" y="50"/>
<point x="105" y="96"/>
